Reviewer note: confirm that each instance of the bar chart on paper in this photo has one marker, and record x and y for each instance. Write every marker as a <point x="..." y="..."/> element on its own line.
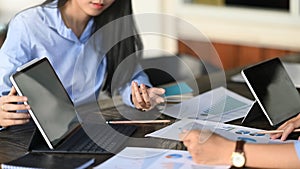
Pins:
<point x="219" y="104"/>
<point x="149" y="158"/>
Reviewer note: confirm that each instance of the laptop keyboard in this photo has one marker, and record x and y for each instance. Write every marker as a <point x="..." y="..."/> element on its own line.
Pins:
<point x="104" y="141"/>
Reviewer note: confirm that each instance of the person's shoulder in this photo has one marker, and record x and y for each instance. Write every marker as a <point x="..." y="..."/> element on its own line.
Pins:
<point x="28" y="13"/>
<point x="32" y="14"/>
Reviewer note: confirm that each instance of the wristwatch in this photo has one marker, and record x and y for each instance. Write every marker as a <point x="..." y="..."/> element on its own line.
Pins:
<point x="238" y="158"/>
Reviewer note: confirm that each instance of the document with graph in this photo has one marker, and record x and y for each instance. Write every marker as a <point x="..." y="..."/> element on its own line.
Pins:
<point x="220" y="104"/>
<point x="149" y="158"/>
<point x="229" y="131"/>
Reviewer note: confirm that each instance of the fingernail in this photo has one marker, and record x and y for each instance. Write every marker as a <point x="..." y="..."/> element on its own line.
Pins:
<point x="161" y="100"/>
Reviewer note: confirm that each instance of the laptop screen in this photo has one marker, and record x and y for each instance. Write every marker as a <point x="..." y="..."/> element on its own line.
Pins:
<point x="51" y="108"/>
<point x="272" y="87"/>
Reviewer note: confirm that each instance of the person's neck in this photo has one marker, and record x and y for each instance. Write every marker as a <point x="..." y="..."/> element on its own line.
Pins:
<point x="74" y="19"/>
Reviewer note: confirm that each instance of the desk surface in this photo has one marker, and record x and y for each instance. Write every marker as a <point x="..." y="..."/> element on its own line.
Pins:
<point x="14" y="140"/>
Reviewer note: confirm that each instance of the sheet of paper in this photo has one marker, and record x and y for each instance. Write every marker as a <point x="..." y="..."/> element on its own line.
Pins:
<point x="148" y="158"/>
<point x="219" y="104"/>
<point x="229" y="131"/>
<point x="293" y="69"/>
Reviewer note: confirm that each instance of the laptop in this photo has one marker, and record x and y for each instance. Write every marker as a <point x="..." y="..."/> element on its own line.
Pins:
<point x="273" y="90"/>
<point x="56" y="119"/>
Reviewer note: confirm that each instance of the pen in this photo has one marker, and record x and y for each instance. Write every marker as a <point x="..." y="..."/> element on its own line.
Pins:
<point x="137" y="121"/>
<point x="275" y="131"/>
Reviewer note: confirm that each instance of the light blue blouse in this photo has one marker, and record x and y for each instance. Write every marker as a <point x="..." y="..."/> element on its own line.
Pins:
<point x="40" y="32"/>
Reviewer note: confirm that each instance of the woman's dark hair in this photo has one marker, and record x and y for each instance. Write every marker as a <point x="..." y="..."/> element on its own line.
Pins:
<point x="3" y="32"/>
<point x="129" y="46"/>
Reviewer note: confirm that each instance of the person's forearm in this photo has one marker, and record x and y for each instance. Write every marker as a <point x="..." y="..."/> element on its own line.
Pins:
<point x="271" y="156"/>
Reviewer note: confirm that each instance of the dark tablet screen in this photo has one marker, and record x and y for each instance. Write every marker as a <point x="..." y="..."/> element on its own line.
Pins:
<point x="50" y="104"/>
<point x="272" y="87"/>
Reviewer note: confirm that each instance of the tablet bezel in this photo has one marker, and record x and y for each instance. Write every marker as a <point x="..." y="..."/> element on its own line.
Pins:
<point x="12" y="79"/>
<point x="25" y="68"/>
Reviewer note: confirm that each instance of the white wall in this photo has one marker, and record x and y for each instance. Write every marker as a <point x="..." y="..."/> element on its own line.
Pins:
<point x="234" y="25"/>
<point x="8" y="8"/>
<point x="151" y="41"/>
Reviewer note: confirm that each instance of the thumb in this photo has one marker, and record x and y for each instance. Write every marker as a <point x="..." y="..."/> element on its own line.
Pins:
<point x="12" y="91"/>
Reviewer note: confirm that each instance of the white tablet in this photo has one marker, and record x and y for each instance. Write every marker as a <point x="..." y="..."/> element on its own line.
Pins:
<point x="273" y="90"/>
<point x="51" y="108"/>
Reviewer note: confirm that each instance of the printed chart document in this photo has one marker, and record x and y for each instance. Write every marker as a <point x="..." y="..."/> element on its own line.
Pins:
<point x="149" y="158"/>
<point x="229" y="131"/>
<point x="219" y="104"/>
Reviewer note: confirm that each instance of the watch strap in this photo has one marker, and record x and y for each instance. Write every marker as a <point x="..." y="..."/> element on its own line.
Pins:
<point x="239" y="146"/>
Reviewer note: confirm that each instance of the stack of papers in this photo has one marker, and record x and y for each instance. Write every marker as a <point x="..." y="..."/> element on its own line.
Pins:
<point x="229" y="131"/>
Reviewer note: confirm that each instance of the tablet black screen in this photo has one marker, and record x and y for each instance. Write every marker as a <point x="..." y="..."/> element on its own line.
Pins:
<point x="274" y="90"/>
<point x="48" y="99"/>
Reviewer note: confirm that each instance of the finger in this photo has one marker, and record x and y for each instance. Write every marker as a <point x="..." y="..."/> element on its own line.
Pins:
<point x="139" y="100"/>
<point x="10" y="122"/>
<point x="186" y="142"/>
<point x="134" y="88"/>
<point x="133" y="95"/>
<point x="145" y="96"/>
<point x="275" y="136"/>
<point x="15" y="107"/>
<point x="157" y="91"/>
<point x="183" y="135"/>
<point x="159" y="99"/>
<point x="193" y="147"/>
<point x="297" y="123"/>
<point x="155" y="99"/>
<point x="15" y="116"/>
<point x="286" y="132"/>
<point x="12" y="98"/>
<point x="283" y="126"/>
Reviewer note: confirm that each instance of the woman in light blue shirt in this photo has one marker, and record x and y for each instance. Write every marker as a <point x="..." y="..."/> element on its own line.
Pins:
<point x="84" y="47"/>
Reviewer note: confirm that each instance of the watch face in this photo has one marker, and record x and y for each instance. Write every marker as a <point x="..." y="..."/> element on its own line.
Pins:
<point x="238" y="159"/>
